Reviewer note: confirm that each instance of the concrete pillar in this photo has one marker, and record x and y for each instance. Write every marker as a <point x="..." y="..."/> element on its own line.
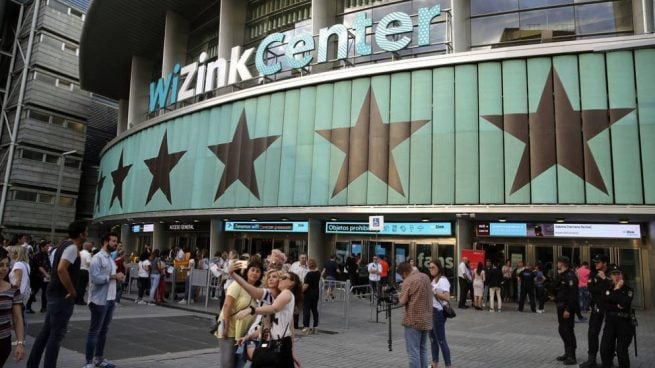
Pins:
<point x="176" y="35"/>
<point x="316" y="244"/>
<point x="324" y="14"/>
<point x="648" y="269"/>
<point x="140" y="78"/>
<point x="127" y="239"/>
<point x="461" y="24"/>
<point x="123" y="107"/>
<point x="463" y="235"/>
<point x="231" y="26"/>
<point x="217" y="238"/>
<point x="159" y="237"/>
<point x="642" y="15"/>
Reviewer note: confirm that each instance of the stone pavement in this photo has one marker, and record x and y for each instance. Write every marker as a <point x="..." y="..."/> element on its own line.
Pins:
<point x="476" y="339"/>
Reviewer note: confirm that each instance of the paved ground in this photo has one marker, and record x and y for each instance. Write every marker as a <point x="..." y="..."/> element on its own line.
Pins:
<point x="144" y="336"/>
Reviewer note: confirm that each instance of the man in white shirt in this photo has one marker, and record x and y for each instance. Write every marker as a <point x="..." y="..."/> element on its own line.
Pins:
<point x="465" y="281"/>
<point x="22" y="240"/>
<point x="374" y="270"/>
<point x="85" y="263"/>
<point x="300" y="267"/>
<point x="180" y="254"/>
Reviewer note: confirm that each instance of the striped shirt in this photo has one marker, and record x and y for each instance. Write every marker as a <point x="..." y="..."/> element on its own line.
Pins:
<point x="416" y="296"/>
<point x="8" y="298"/>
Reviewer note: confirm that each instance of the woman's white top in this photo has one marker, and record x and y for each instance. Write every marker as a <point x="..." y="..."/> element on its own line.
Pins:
<point x="443" y="285"/>
<point x="283" y="320"/>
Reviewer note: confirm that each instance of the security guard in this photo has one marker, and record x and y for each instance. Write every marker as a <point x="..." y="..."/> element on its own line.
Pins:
<point x="618" y="331"/>
<point x="599" y="282"/>
<point x="567" y="305"/>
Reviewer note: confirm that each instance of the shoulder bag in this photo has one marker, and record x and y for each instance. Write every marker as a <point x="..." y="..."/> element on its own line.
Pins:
<point x="448" y="311"/>
<point x="266" y="354"/>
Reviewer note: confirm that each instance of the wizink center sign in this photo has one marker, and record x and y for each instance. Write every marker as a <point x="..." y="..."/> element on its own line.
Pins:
<point x="393" y="33"/>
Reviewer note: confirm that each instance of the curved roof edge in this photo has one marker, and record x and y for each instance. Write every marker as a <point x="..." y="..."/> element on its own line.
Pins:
<point x="116" y="30"/>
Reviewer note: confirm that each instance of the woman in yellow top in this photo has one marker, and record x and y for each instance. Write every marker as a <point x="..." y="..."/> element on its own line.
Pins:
<point x="232" y="329"/>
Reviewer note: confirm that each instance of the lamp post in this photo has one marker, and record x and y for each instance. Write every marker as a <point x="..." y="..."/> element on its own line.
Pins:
<point x="62" y="160"/>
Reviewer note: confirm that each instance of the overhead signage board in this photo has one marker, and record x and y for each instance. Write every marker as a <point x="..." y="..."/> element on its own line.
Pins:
<point x="391" y="228"/>
<point x="143" y="228"/>
<point x="392" y="33"/>
<point x="563" y="230"/>
<point x="376" y="223"/>
<point x="267" y="227"/>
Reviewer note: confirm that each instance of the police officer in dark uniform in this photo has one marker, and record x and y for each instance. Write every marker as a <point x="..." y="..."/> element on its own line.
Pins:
<point x="618" y="331"/>
<point x="567" y="305"/>
<point x="599" y="283"/>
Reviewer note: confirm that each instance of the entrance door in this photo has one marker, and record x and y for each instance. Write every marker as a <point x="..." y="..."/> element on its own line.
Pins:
<point x="545" y="256"/>
<point x="630" y="262"/>
<point x="573" y="253"/>
<point x="401" y="254"/>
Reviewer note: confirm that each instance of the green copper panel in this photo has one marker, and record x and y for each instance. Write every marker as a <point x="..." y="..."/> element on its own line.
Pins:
<point x="243" y="195"/>
<point x="229" y="197"/>
<point x="340" y="119"/>
<point x="593" y="91"/>
<point x="542" y="131"/>
<point x="199" y="165"/>
<point x="399" y="113"/>
<point x="321" y="189"/>
<point x="568" y="131"/>
<point x="645" y="69"/>
<point x="359" y="156"/>
<point x="289" y="142"/>
<point x="443" y="136"/>
<point x="260" y="129"/>
<point x="378" y="190"/>
<point x="516" y="151"/>
<point x="304" y="148"/>
<point x="273" y="157"/>
<point x="492" y="182"/>
<point x="466" y="135"/>
<point x="420" y="171"/>
<point x="625" y="132"/>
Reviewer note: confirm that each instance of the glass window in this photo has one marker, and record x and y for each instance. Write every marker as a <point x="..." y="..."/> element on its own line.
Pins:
<point x="604" y="18"/>
<point x="36" y="115"/>
<point x="479" y="7"/>
<point x="32" y="155"/>
<point x="62" y="83"/>
<point x="71" y="162"/>
<point x="52" y="159"/>
<point x="46" y="198"/>
<point x="78" y="127"/>
<point x="546" y="24"/>
<point x="25" y="196"/>
<point x="58" y="120"/>
<point x="66" y="201"/>
<point x="528" y="4"/>
<point x="495" y="29"/>
<point x="574" y="255"/>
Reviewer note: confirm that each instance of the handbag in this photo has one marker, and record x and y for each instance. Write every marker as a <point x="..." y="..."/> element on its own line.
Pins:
<point x="448" y="311"/>
<point x="266" y="354"/>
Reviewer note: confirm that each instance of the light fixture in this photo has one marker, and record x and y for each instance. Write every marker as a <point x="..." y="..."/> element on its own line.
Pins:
<point x="502" y="219"/>
<point x="333" y="219"/>
<point x="284" y="219"/>
<point x="425" y="219"/>
<point x="196" y="220"/>
<point x="624" y="221"/>
<point x="253" y="219"/>
<point x="226" y="219"/>
<point x="177" y="221"/>
<point x="161" y="222"/>
<point x="559" y="220"/>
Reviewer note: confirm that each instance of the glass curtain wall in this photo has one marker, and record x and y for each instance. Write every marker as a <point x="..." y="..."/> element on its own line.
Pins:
<point x="501" y="23"/>
<point x="203" y="35"/>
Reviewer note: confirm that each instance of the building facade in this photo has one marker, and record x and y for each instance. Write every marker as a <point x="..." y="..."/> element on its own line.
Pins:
<point x="511" y="129"/>
<point x="45" y="118"/>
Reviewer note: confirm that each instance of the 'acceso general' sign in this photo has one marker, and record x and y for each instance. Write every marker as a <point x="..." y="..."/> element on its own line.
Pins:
<point x="187" y="81"/>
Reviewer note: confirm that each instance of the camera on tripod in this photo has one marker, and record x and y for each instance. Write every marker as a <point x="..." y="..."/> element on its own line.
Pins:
<point x="389" y="295"/>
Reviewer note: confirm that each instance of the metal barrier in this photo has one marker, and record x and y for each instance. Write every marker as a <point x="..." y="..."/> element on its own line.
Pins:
<point x="133" y="275"/>
<point x="198" y="279"/>
<point x="340" y="293"/>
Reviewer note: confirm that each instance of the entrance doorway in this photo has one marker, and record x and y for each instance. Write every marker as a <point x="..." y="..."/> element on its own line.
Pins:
<point x="292" y="247"/>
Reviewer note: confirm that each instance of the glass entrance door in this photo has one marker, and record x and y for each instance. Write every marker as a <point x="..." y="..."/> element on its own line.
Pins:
<point x="630" y="262"/>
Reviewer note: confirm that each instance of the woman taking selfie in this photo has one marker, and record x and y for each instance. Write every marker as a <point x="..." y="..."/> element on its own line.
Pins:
<point x="10" y="308"/>
<point x="237" y="299"/>
<point x="280" y="342"/>
<point x="441" y="291"/>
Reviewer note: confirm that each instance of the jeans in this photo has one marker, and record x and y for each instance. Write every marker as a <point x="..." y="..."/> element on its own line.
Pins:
<point x="417" y="352"/>
<point x="495" y="291"/>
<point x="39" y="285"/>
<point x="541" y="296"/>
<point x="101" y="316"/>
<point x="226" y="350"/>
<point x="375" y="287"/>
<point x="52" y="333"/>
<point x="310" y="304"/>
<point x="154" y="284"/>
<point x="583" y="295"/>
<point x="142" y="283"/>
<point x="438" y="337"/>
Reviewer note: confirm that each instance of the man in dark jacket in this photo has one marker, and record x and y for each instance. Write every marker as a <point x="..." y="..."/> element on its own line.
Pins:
<point x="526" y="276"/>
<point x="495" y="281"/>
<point x="567" y="304"/>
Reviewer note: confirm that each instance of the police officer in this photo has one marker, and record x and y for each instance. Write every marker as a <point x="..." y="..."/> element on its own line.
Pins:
<point x="618" y="331"/>
<point x="567" y="305"/>
<point x="599" y="282"/>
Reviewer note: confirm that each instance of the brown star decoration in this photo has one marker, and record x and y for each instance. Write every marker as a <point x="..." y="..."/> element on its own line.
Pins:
<point x="239" y="158"/>
<point x="101" y="183"/>
<point x="538" y="132"/>
<point x="118" y="177"/>
<point x="369" y="144"/>
<point x="160" y="167"/>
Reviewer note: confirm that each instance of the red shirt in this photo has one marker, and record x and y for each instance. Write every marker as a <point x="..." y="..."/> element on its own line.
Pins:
<point x="583" y="276"/>
<point x="385" y="268"/>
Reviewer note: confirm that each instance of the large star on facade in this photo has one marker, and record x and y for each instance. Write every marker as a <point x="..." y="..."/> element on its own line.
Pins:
<point x="368" y="146"/>
<point x="239" y="158"/>
<point x="557" y="134"/>
<point x="101" y="183"/>
<point x="118" y="177"/>
<point x="160" y="167"/>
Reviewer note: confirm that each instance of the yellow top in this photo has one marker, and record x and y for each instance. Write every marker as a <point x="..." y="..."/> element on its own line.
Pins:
<point x="242" y="300"/>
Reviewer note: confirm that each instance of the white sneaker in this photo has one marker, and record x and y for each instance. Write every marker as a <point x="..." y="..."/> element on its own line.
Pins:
<point x="142" y="302"/>
<point x="89" y="366"/>
<point x="183" y="301"/>
<point x="491" y="310"/>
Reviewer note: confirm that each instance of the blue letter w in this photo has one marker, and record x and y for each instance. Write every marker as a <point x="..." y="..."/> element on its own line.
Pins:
<point x="159" y="93"/>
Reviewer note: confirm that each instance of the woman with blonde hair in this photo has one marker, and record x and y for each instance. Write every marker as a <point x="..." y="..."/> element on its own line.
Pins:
<point x="20" y="272"/>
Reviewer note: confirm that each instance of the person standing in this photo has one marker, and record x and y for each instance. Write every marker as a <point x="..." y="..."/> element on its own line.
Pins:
<point x="85" y="263"/>
<point x="102" y="294"/>
<point x="300" y="268"/>
<point x="416" y="295"/>
<point x="61" y="297"/>
<point x="374" y="276"/>
<point x="330" y="271"/>
<point x="465" y="280"/>
<point x="441" y="292"/>
<point x="526" y="279"/>
<point x="540" y="287"/>
<point x="11" y="304"/>
<point x="487" y="269"/>
<point x="495" y="280"/>
<point x="618" y="331"/>
<point x="143" y="282"/>
<point x="598" y="284"/>
<point x="567" y="304"/>
<point x="156" y="269"/>
<point x="384" y="271"/>
<point x="311" y="291"/>
<point x="583" y="274"/>
<point x="40" y="277"/>
<point x="479" y="278"/>
<point x="507" y="280"/>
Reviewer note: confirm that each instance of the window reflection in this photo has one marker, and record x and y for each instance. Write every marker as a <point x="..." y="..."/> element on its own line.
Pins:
<point x="604" y="18"/>
<point x="480" y="7"/>
<point x="490" y="30"/>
